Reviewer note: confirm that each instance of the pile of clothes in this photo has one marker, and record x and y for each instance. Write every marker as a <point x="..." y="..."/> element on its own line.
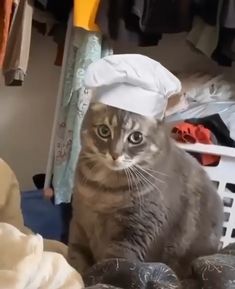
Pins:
<point x="207" y="130"/>
<point x="206" y="123"/>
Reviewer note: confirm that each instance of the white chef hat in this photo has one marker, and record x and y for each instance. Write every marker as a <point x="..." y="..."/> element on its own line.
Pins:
<point x="132" y="82"/>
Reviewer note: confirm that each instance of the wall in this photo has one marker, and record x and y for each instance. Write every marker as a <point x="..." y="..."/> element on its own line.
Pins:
<point x="26" y="113"/>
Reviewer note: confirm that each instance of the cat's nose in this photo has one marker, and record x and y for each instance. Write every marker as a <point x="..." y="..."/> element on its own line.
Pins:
<point x="115" y="156"/>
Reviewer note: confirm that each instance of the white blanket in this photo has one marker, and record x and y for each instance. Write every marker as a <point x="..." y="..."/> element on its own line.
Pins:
<point x="10" y="208"/>
<point x="24" y="264"/>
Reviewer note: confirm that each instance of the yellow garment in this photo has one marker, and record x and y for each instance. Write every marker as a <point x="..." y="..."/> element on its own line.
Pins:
<point x="85" y="14"/>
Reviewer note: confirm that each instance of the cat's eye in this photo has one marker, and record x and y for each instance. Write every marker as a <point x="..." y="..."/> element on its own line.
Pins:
<point x="135" y="138"/>
<point x="103" y="131"/>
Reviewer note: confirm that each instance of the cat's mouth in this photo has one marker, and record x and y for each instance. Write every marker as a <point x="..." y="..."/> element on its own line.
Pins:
<point x="119" y="164"/>
<point x="116" y="166"/>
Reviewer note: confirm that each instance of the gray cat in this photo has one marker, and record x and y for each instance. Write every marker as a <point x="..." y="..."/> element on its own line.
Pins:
<point x="138" y="196"/>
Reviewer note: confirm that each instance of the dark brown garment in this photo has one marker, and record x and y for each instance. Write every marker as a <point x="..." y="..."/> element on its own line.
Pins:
<point x="228" y="14"/>
<point x="164" y="16"/>
<point x="118" y="22"/>
<point x="58" y="32"/>
<point x="207" y="10"/>
<point x="143" y="22"/>
<point x="225" y="51"/>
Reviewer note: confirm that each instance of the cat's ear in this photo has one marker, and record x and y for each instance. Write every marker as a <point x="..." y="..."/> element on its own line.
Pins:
<point x="160" y="122"/>
<point x="157" y="122"/>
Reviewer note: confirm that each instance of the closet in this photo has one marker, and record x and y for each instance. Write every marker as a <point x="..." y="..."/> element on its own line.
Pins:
<point x="41" y="111"/>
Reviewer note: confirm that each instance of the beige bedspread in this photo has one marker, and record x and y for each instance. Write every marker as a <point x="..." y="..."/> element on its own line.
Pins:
<point x="27" y="260"/>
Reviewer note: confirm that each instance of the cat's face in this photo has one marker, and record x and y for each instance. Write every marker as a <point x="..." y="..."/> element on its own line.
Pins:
<point x="118" y="139"/>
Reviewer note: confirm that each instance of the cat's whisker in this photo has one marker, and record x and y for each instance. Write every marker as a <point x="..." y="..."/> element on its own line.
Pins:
<point x="149" y="174"/>
<point x="137" y="188"/>
<point x="128" y="181"/>
<point x="131" y="179"/>
<point x="142" y="180"/>
<point x="143" y="186"/>
<point x="137" y="176"/>
<point x="146" y="179"/>
<point x="157" y="172"/>
<point x="154" y="171"/>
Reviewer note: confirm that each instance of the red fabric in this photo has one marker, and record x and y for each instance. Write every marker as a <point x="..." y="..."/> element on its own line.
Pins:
<point x="190" y="133"/>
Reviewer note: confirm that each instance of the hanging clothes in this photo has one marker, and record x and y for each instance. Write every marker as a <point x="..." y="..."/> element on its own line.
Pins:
<point x="207" y="10"/>
<point x="59" y="11"/>
<point x="225" y="51"/>
<point x="5" y="16"/>
<point x="85" y="47"/>
<point x="118" y="21"/>
<point x="17" y="52"/>
<point x="8" y="11"/>
<point x="163" y="16"/>
<point x="213" y="31"/>
<point x="85" y="14"/>
<point x="143" y="22"/>
<point x="43" y="3"/>
<point x="204" y="35"/>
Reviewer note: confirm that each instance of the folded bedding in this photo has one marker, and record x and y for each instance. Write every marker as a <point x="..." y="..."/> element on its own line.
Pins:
<point x="25" y="265"/>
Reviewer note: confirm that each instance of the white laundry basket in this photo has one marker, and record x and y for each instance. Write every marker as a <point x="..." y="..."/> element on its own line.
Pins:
<point x="223" y="175"/>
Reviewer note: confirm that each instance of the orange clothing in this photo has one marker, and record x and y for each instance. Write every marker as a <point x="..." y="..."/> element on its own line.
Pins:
<point x="85" y="14"/>
<point x="5" y="17"/>
<point x="190" y="133"/>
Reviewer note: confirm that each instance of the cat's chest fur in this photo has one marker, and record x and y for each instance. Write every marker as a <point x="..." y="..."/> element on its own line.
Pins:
<point x="107" y="215"/>
<point x="98" y="227"/>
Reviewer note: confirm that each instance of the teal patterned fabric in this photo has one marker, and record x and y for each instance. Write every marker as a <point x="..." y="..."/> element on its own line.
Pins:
<point x="85" y="47"/>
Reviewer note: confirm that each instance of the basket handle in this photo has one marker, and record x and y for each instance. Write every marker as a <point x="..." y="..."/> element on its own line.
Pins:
<point x="210" y="149"/>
